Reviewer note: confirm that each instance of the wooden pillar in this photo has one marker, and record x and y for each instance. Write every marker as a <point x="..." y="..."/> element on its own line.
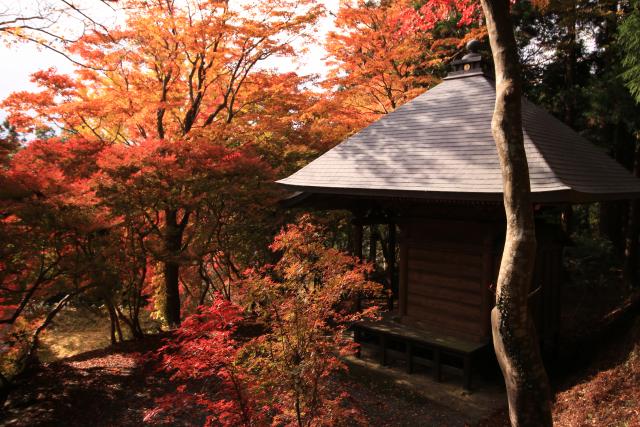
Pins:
<point x="383" y="349"/>
<point x="403" y="287"/>
<point x="409" y="357"/>
<point x="391" y="267"/>
<point x="373" y="244"/>
<point x="467" y="371"/>
<point x="356" y="231"/>
<point x="488" y="276"/>
<point x="356" y="250"/>
<point x="556" y="297"/>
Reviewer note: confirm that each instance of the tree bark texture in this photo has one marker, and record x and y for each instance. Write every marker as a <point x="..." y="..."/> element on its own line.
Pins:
<point x="514" y="338"/>
<point x="173" y="243"/>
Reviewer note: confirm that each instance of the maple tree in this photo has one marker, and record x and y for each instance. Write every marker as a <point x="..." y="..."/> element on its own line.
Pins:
<point x="384" y="54"/>
<point x="375" y="53"/>
<point x="174" y="74"/>
<point x="204" y="349"/>
<point x="54" y="209"/>
<point x="216" y="195"/>
<point x="47" y="212"/>
<point x="281" y="376"/>
<point x="303" y="300"/>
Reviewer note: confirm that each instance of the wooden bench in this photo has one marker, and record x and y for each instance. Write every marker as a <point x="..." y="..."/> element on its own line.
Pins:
<point x="439" y="345"/>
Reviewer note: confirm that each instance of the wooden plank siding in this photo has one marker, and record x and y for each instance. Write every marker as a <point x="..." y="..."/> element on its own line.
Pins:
<point x="443" y="286"/>
<point x="448" y="269"/>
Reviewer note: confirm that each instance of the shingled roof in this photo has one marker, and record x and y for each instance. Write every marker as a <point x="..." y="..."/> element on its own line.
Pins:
<point x="440" y="146"/>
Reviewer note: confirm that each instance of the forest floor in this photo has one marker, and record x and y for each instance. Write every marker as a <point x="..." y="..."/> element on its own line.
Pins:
<point x="598" y="382"/>
<point x="112" y="386"/>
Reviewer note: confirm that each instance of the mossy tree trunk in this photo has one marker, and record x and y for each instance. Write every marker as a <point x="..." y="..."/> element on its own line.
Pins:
<point x="514" y="335"/>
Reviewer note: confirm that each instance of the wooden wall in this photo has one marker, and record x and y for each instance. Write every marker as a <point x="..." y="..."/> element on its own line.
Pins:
<point x="446" y="272"/>
<point x="448" y="269"/>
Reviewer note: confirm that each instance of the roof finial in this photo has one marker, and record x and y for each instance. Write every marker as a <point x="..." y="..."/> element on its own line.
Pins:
<point x="473" y="46"/>
<point x="471" y="62"/>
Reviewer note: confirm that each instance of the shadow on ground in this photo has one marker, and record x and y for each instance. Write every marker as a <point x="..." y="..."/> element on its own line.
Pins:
<point x="106" y="387"/>
<point x="114" y="387"/>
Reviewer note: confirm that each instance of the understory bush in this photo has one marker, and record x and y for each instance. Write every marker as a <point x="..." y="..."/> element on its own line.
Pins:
<point x="283" y="374"/>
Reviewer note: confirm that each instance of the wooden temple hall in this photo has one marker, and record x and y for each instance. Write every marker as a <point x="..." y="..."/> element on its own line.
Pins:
<point x="429" y="173"/>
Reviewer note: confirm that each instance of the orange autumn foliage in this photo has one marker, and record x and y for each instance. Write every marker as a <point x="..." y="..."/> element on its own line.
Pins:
<point x="383" y="54"/>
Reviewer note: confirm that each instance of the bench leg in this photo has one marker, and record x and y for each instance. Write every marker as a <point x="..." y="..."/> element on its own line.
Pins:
<point x="437" y="366"/>
<point x="467" y="372"/>
<point x="409" y="358"/>
<point x="383" y="349"/>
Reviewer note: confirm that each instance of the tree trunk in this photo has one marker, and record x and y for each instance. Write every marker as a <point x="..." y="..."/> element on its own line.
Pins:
<point x="132" y="323"/>
<point x="614" y="214"/>
<point x="173" y="242"/>
<point x="569" y="45"/>
<point x="115" y="323"/>
<point x="633" y="232"/>
<point x="631" y="245"/>
<point x="514" y="338"/>
<point x="30" y="356"/>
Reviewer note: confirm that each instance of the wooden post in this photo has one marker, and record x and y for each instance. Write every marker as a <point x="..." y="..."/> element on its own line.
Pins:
<point x="383" y="347"/>
<point x="356" y="249"/>
<point x="566" y="219"/>
<point x="373" y="244"/>
<point x="556" y="297"/>
<point x="488" y="273"/>
<point x="403" y="287"/>
<point x="391" y="268"/>
<point x="467" y="371"/>
<point x="356" y="226"/>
